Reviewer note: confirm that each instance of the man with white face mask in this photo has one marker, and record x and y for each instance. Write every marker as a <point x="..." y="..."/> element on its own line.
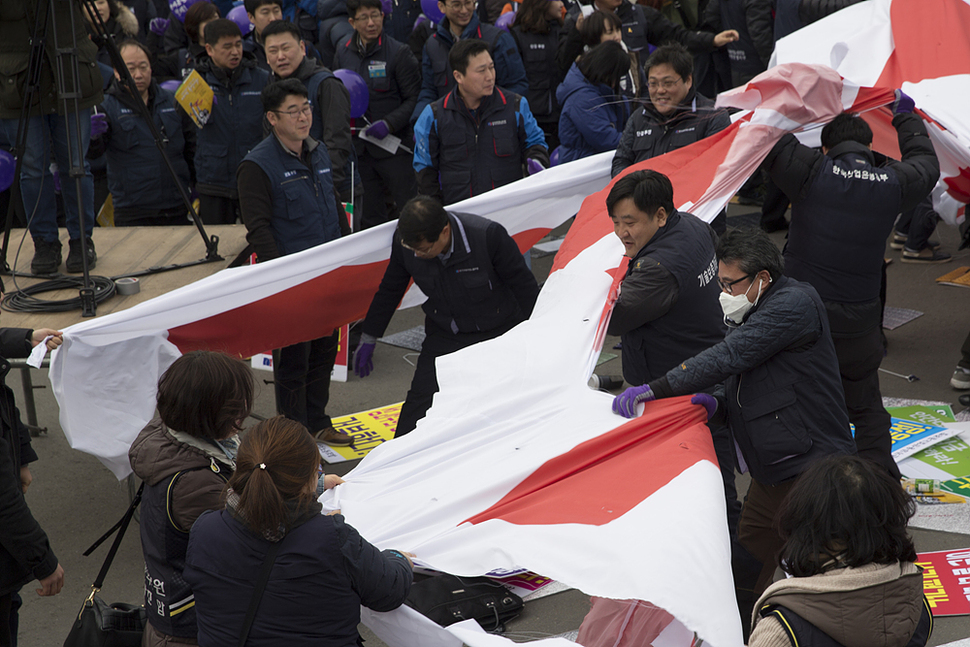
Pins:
<point x="781" y="390"/>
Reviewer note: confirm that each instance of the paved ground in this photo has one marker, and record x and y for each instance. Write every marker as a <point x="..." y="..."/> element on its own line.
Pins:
<point x="76" y="499"/>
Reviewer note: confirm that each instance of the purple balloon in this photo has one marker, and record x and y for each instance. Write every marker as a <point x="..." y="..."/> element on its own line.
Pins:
<point x="7" y="165"/>
<point x="554" y="157"/>
<point x="387" y="6"/>
<point x="430" y="9"/>
<point x="238" y="15"/>
<point x="505" y="20"/>
<point x="359" y="94"/>
<point x="179" y="7"/>
<point x="171" y="85"/>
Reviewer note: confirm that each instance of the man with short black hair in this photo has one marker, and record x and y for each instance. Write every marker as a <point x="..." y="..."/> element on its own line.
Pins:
<point x="477" y="284"/>
<point x="477" y="137"/>
<point x="142" y="189"/>
<point x="844" y="202"/>
<point x="781" y="391"/>
<point x="460" y="23"/>
<point x="329" y="98"/>
<point x="261" y="13"/>
<point x="393" y="81"/>
<point x="667" y="309"/>
<point x="289" y="205"/>
<point x="235" y="124"/>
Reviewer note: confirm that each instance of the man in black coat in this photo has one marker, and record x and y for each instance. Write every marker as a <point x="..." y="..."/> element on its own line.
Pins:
<point x="781" y="389"/>
<point x="844" y="203"/>
<point x="477" y="283"/>
<point x="25" y="553"/>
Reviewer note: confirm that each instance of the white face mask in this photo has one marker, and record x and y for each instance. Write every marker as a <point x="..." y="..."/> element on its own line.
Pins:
<point x="737" y="305"/>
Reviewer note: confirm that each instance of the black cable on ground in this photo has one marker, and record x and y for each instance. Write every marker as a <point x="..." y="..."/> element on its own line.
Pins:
<point x="24" y="301"/>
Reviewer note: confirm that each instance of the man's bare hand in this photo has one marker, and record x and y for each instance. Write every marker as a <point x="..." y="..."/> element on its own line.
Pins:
<point x="52" y="584"/>
<point x="25" y="478"/>
<point x="56" y="337"/>
<point x="725" y="37"/>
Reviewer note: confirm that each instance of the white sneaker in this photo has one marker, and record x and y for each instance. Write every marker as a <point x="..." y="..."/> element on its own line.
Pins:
<point x="961" y="379"/>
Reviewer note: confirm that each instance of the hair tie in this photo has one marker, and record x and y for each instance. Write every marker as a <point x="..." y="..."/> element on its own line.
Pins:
<point x="262" y="466"/>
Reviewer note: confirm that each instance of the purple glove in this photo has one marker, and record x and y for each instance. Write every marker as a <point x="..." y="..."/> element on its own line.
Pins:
<point x="533" y="166"/>
<point x="99" y="125"/>
<point x="625" y="404"/>
<point x="377" y="130"/>
<point x="364" y="360"/>
<point x="158" y="25"/>
<point x="707" y="401"/>
<point x="903" y="103"/>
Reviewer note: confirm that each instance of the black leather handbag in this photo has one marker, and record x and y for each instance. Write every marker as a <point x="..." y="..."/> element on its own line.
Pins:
<point x="448" y="599"/>
<point x="100" y="624"/>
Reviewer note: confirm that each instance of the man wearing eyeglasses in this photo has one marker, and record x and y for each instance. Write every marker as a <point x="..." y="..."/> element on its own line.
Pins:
<point x="778" y="383"/>
<point x="393" y="80"/>
<point x="675" y="116"/>
<point x="461" y="22"/>
<point x="142" y="189"/>
<point x="289" y="205"/>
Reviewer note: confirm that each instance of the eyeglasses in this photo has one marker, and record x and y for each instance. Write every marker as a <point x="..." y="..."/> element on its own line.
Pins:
<point x="666" y="84"/>
<point x="370" y="17"/>
<point x="461" y="5"/>
<point x="421" y="252"/>
<point x="728" y="286"/>
<point x="306" y="111"/>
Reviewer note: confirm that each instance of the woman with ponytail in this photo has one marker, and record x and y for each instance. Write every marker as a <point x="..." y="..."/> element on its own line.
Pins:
<point x="323" y="571"/>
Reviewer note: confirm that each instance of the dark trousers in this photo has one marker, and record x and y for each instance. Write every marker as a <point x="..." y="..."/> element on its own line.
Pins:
<point x="724" y="450"/>
<point x="389" y="177"/>
<point x="301" y="373"/>
<point x="775" y="206"/>
<point x="9" y="619"/>
<point x="424" y="384"/>
<point x="859" y="360"/>
<point x="918" y="224"/>
<point x="151" y="217"/>
<point x="757" y="532"/>
<point x="217" y="210"/>
<point x="965" y="353"/>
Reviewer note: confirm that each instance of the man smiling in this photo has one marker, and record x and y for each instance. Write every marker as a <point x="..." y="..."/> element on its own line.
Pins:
<point x="289" y="205"/>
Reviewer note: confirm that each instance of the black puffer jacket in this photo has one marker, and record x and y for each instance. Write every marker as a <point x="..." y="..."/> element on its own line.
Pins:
<point x="25" y="553"/>
<point x="649" y="134"/>
<point x="811" y="10"/>
<point x="782" y="390"/>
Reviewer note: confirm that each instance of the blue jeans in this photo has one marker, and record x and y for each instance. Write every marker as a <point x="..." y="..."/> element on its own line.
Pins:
<point x="44" y="133"/>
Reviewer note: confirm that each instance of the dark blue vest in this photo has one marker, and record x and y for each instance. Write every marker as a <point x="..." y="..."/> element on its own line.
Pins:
<point x="234" y="128"/>
<point x="475" y="158"/>
<point x="378" y="69"/>
<point x="803" y="633"/>
<point x="685" y="247"/>
<point x="541" y="68"/>
<point x="304" y="208"/>
<point x="312" y="85"/>
<point x="838" y="233"/>
<point x="745" y="61"/>
<point x="168" y="598"/>
<point x="137" y="175"/>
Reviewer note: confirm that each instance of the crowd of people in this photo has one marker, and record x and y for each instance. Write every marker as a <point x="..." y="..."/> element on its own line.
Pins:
<point x="780" y="348"/>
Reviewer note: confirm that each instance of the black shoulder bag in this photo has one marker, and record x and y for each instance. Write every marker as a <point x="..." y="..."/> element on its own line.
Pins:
<point x="99" y="624"/>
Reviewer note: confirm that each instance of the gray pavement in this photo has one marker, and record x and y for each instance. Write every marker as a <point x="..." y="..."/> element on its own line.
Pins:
<point x="76" y="499"/>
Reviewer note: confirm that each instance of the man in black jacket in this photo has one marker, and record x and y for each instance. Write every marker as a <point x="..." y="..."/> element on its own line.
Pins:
<point x="781" y="388"/>
<point x="393" y="81"/>
<point x="477" y="283"/>
<point x="675" y="116"/>
<point x="667" y="309"/>
<point x="25" y="553"/>
<point x="844" y="203"/>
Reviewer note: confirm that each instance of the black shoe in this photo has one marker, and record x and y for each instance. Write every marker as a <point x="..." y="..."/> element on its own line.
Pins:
<point x="772" y="226"/>
<point x="928" y="255"/>
<point x="47" y="256"/>
<point x="75" y="263"/>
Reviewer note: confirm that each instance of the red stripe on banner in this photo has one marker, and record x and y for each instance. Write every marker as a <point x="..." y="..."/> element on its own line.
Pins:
<point x="306" y="311"/>
<point x="929" y="41"/>
<point x="885" y="140"/>
<point x="604" y="478"/>
<point x="691" y="170"/>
